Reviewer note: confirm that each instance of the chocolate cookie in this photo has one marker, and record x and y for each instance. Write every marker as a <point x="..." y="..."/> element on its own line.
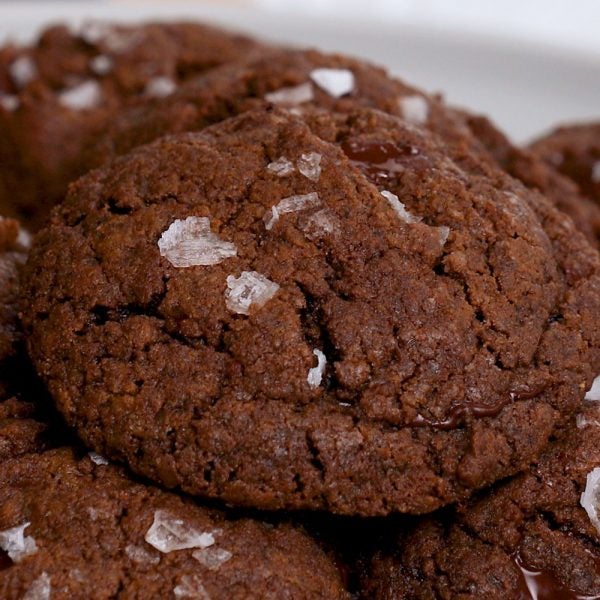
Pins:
<point x="79" y="528"/>
<point x="62" y="90"/>
<point x="540" y="168"/>
<point x="242" y="314"/>
<point x="535" y="537"/>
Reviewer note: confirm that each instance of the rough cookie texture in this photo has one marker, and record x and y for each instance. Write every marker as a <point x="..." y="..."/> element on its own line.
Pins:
<point x="540" y="167"/>
<point x="452" y="343"/>
<point x="527" y="538"/>
<point x="79" y="529"/>
<point x="61" y="91"/>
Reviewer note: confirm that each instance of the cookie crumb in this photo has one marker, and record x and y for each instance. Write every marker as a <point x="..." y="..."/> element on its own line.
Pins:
<point x="140" y="555"/>
<point x="16" y="544"/>
<point x="289" y="205"/>
<point x="336" y="82"/>
<point x="191" y="586"/>
<point x="595" y="176"/>
<point x="315" y="375"/>
<point x="249" y="289"/>
<point x="85" y="96"/>
<point x="590" y="498"/>
<point x="281" y="167"/>
<point x="40" y="589"/>
<point x="160" y="87"/>
<point x="97" y="459"/>
<point x="415" y="109"/>
<point x="168" y="533"/>
<point x="594" y="392"/>
<point x="399" y="208"/>
<point x="212" y="558"/>
<point x="22" y="71"/>
<point x="291" y="96"/>
<point x="101" y="64"/>
<point x="190" y="242"/>
<point x="309" y="165"/>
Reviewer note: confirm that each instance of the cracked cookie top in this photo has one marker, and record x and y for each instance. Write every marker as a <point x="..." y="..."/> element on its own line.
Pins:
<point x="537" y="536"/>
<point x="332" y="315"/>
<point x="73" y="527"/>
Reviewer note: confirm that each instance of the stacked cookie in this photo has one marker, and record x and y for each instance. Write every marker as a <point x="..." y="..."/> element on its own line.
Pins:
<point x="289" y="283"/>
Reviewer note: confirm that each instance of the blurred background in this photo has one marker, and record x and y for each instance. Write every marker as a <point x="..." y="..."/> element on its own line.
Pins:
<point x="526" y="63"/>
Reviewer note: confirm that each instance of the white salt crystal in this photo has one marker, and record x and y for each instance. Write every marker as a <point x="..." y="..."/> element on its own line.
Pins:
<point x="16" y="544"/>
<point x="444" y="233"/>
<point x="168" y="533"/>
<point x="212" y="558"/>
<point x="84" y="96"/>
<point x="140" y="555"/>
<point x="160" y="87"/>
<point x="289" y="205"/>
<point x="97" y="459"/>
<point x="190" y="242"/>
<point x="281" y="167"/>
<point x="596" y="172"/>
<point x="321" y="223"/>
<point x="399" y="207"/>
<point x="39" y="589"/>
<point x="190" y="586"/>
<point x="590" y="499"/>
<point x="96" y="32"/>
<point x="24" y="239"/>
<point x="415" y="109"/>
<point x="315" y="375"/>
<point x="22" y="70"/>
<point x="9" y="102"/>
<point x="336" y="82"/>
<point x="101" y="64"/>
<point x="582" y="421"/>
<point x="249" y="289"/>
<point x="594" y="392"/>
<point x="309" y="165"/>
<point x="291" y="96"/>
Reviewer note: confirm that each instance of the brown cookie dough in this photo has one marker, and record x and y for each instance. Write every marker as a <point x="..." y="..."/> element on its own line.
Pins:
<point x="534" y="537"/>
<point x="541" y="165"/>
<point x="78" y="528"/>
<point x="64" y="89"/>
<point x="242" y="314"/>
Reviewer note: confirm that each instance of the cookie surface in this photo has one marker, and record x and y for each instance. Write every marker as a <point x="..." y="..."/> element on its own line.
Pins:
<point x="63" y="89"/>
<point x="537" y="536"/>
<point x="242" y="314"/>
<point x="79" y="528"/>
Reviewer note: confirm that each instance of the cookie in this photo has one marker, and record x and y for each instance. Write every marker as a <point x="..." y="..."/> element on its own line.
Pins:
<point x="296" y="79"/>
<point x="243" y="314"/>
<point x="536" y="536"/>
<point x="63" y="89"/>
<point x="569" y="186"/>
<point x="79" y="528"/>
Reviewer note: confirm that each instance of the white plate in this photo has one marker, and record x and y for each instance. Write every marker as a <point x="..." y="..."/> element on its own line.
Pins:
<point x="525" y="87"/>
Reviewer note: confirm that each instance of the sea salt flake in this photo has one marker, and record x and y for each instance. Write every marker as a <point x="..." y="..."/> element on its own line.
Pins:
<point x="309" y="165"/>
<point x="16" y="544"/>
<point x="140" y="555"/>
<point x="39" y="589"/>
<point x="97" y="32"/>
<point x="168" y="533"/>
<point x="444" y="233"/>
<point x="590" y="498"/>
<point x="336" y="82"/>
<point x="22" y="71"/>
<point x="596" y="172"/>
<point x="291" y="96"/>
<point x="190" y="242"/>
<point x="85" y="96"/>
<point x="315" y="375"/>
<point x="191" y="586"/>
<point x="160" y="87"/>
<point x="320" y="223"/>
<point x="212" y="558"/>
<point x="582" y="421"/>
<point x="594" y="392"/>
<point x="415" y="109"/>
<point x="289" y="205"/>
<point x="247" y="290"/>
<point x="399" y="208"/>
<point x="281" y="167"/>
<point x="97" y="459"/>
<point x="101" y="64"/>
<point x="9" y="102"/>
